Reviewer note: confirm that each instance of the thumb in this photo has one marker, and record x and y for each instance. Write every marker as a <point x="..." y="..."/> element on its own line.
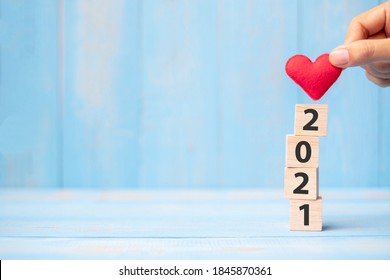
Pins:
<point x="361" y="52"/>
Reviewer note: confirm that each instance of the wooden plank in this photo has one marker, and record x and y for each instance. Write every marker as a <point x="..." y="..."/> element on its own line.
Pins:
<point x="185" y="214"/>
<point x="197" y="225"/>
<point x="179" y="137"/>
<point x="102" y="100"/>
<point x="28" y="85"/>
<point x="196" y="104"/>
<point x="350" y="152"/>
<point x="256" y="98"/>
<point x="354" y="248"/>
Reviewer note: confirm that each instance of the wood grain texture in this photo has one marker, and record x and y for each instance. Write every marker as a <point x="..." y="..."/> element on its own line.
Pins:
<point x="194" y="225"/>
<point x="183" y="94"/>
<point x="204" y="100"/>
<point x="256" y="98"/>
<point x="308" y="122"/>
<point x="102" y="93"/>
<point x="273" y="248"/>
<point x="180" y="123"/>
<point x="296" y="177"/>
<point x="28" y="94"/>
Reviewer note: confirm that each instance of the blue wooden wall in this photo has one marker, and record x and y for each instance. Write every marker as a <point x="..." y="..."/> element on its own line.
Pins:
<point x="177" y="94"/>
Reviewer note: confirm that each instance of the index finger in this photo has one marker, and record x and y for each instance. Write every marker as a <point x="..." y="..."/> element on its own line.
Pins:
<point x="369" y="23"/>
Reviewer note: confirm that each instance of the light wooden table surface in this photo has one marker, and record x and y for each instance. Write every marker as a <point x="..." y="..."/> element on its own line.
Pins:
<point x="222" y="224"/>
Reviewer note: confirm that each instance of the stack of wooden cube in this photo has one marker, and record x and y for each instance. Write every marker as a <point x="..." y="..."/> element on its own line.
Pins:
<point x="301" y="172"/>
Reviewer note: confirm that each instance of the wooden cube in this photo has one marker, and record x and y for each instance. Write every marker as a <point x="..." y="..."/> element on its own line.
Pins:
<point x="306" y="215"/>
<point x="302" y="151"/>
<point x="311" y="119"/>
<point x="301" y="183"/>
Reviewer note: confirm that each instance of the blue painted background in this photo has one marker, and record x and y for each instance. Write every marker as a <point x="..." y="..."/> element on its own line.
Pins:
<point x="177" y="94"/>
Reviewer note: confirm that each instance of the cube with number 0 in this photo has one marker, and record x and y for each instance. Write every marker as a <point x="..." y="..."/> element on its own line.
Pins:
<point x="311" y="119"/>
<point x="302" y="151"/>
<point x="306" y="214"/>
<point x="301" y="183"/>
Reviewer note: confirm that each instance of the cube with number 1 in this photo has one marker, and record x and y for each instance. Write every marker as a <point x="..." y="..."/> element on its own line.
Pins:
<point x="306" y="214"/>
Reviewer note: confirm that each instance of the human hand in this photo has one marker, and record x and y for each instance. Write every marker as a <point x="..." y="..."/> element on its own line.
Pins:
<point x="367" y="44"/>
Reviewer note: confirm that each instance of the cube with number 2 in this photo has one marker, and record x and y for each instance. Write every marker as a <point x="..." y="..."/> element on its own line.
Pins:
<point x="301" y="183"/>
<point x="311" y="119"/>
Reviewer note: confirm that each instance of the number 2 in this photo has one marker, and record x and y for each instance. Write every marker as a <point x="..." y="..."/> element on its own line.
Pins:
<point x="309" y="125"/>
<point x="299" y="189"/>
<point x="305" y="208"/>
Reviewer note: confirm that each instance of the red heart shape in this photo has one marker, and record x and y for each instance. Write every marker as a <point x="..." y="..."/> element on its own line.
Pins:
<point x="315" y="78"/>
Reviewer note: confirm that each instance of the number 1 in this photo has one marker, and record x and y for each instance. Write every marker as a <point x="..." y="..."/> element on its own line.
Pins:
<point x="305" y="208"/>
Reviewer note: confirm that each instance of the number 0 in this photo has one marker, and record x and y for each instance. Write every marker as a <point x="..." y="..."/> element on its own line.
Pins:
<point x="298" y="151"/>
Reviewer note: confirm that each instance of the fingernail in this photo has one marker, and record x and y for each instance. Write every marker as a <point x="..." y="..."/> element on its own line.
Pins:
<point x="339" y="56"/>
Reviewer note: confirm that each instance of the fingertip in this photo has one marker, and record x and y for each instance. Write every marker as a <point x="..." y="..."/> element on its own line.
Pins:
<point x="339" y="56"/>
